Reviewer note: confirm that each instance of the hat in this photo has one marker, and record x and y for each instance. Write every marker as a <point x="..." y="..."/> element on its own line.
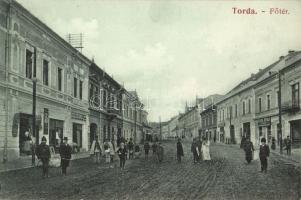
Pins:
<point x="65" y="138"/>
<point x="44" y="138"/>
<point x="263" y="140"/>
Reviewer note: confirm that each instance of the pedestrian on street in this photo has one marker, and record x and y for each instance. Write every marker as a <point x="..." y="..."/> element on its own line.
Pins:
<point x="131" y="149"/>
<point x="160" y="152"/>
<point x="288" y="145"/>
<point x="106" y="147"/>
<point x="242" y="142"/>
<point x="273" y="146"/>
<point x="264" y="152"/>
<point x="137" y="151"/>
<point x="112" y="150"/>
<point x="96" y="150"/>
<point x="205" y="150"/>
<point x="180" y="151"/>
<point x="199" y="149"/>
<point x="249" y="149"/>
<point x="194" y="150"/>
<point x="43" y="154"/>
<point x="65" y="153"/>
<point x="122" y="153"/>
<point x="146" y="149"/>
<point x="154" y="148"/>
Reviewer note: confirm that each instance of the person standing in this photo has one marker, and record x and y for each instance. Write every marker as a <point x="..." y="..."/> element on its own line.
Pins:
<point x="146" y="149"/>
<point x="96" y="150"/>
<point x="65" y="153"/>
<point x="106" y="147"/>
<point x="194" y="151"/>
<point x="288" y="145"/>
<point x="154" y="148"/>
<point x="112" y="150"/>
<point x="264" y="152"/>
<point x="43" y="154"/>
<point x="199" y="148"/>
<point x="205" y="150"/>
<point x="180" y="151"/>
<point x="131" y="149"/>
<point x="160" y="152"/>
<point x="122" y="153"/>
<point x="249" y="149"/>
<point x="273" y="143"/>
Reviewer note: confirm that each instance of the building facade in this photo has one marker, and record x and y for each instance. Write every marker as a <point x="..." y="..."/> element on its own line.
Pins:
<point x="32" y="54"/>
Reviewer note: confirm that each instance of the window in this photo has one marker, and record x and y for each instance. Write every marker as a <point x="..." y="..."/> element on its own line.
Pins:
<point x="223" y="115"/>
<point x="75" y="87"/>
<point x="268" y="102"/>
<point x="59" y="79"/>
<point x="249" y="106"/>
<point x="236" y="110"/>
<point x="29" y="63"/>
<point x="104" y="98"/>
<point x="45" y="72"/>
<point x="243" y="107"/>
<point x="277" y="100"/>
<point x="259" y="104"/>
<point x="81" y="90"/>
<point x="295" y="95"/>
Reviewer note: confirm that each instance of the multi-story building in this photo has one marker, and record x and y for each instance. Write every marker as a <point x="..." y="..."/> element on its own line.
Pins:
<point x="189" y="123"/>
<point x="250" y="108"/>
<point x="34" y="56"/>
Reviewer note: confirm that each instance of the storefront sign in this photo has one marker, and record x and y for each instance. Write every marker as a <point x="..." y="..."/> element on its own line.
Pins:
<point x="46" y="120"/>
<point x="78" y="116"/>
<point x="264" y="121"/>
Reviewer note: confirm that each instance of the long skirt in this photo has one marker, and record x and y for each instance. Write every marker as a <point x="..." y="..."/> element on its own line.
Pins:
<point x="205" y="152"/>
<point x="248" y="156"/>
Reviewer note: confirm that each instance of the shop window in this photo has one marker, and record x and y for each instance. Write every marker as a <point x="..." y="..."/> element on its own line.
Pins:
<point x="77" y="134"/>
<point x="29" y="63"/>
<point x="45" y="72"/>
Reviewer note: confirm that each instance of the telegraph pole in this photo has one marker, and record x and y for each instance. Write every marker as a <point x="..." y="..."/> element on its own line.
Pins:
<point x="280" y="112"/>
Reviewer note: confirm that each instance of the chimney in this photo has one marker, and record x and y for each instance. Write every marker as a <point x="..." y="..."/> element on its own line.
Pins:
<point x="281" y="57"/>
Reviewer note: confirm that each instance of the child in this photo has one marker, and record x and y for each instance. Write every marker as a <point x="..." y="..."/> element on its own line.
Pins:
<point x="122" y="153"/>
<point x="264" y="152"/>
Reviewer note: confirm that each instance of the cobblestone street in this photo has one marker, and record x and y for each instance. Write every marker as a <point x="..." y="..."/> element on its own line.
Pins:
<point x="227" y="176"/>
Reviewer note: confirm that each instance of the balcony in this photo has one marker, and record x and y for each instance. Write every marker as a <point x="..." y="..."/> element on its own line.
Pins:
<point x="290" y="107"/>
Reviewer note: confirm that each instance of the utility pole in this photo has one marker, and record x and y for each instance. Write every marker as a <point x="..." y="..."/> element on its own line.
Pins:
<point x="160" y="128"/>
<point x="280" y="112"/>
<point x="34" y="98"/>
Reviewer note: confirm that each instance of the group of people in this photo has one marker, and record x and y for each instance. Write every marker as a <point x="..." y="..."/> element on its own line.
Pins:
<point x="43" y="154"/>
<point x="157" y="149"/>
<point x="264" y="152"/>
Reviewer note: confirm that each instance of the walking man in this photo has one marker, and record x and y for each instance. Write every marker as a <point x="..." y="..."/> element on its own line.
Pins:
<point x="131" y="149"/>
<point x="194" y="151"/>
<point x="180" y="151"/>
<point x="264" y="152"/>
<point x="65" y="153"/>
<point x="96" y="150"/>
<point x="122" y="153"/>
<point x="249" y="149"/>
<point x="146" y="149"/>
<point x="160" y="152"/>
<point x="43" y="153"/>
<point x="288" y="145"/>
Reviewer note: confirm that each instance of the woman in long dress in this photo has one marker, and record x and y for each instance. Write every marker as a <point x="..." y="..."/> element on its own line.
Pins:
<point x="205" y="150"/>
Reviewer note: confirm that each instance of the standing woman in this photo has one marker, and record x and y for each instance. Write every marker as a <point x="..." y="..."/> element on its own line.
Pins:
<point x="205" y="150"/>
<point x="249" y="149"/>
<point x="122" y="153"/>
<point x="180" y="151"/>
<point x="65" y="153"/>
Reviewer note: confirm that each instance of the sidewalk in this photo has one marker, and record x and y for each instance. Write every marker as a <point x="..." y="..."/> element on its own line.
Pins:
<point x="294" y="158"/>
<point x="25" y="162"/>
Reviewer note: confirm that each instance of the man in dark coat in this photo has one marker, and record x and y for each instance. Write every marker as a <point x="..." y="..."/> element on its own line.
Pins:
<point x="122" y="153"/>
<point x="264" y="152"/>
<point x="180" y="151"/>
<point x="249" y="148"/>
<point x="154" y="148"/>
<point x="146" y="149"/>
<point x="288" y="145"/>
<point x="194" y="151"/>
<point x="199" y="144"/>
<point x="65" y="153"/>
<point x="131" y="149"/>
<point x="43" y="153"/>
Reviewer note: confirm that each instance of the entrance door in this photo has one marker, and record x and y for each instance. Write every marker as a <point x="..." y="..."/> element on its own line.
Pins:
<point x="247" y="130"/>
<point x="77" y="134"/>
<point x="296" y="132"/>
<point x="93" y="132"/>
<point x="232" y="134"/>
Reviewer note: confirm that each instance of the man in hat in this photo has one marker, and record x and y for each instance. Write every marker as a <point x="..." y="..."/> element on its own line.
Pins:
<point x="43" y="153"/>
<point x="264" y="152"/>
<point x="65" y="153"/>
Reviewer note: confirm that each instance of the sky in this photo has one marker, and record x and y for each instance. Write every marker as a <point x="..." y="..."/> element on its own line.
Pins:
<point x="171" y="52"/>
